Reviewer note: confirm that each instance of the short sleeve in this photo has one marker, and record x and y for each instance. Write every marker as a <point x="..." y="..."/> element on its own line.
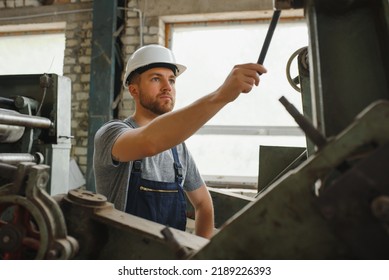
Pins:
<point x="193" y="179"/>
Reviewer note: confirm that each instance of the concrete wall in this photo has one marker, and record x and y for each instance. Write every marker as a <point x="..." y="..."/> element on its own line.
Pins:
<point x="78" y="16"/>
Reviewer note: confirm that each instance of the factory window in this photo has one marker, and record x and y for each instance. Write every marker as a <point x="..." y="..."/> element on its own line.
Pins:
<point x="227" y="147"/>
<point x="32" y="48"/>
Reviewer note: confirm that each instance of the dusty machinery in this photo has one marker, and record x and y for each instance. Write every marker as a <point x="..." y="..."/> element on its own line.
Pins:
<point x="35" y="124"/>
<point x="35" y="141"/>
<point x="331" y="204"/>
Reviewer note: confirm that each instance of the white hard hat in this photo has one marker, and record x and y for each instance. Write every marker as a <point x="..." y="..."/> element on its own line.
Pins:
<point x="151" y="56"/>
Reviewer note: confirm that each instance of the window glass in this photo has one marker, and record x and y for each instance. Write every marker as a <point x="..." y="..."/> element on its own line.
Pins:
<point x="32" y="54"/>
<point x="210" y="52"/>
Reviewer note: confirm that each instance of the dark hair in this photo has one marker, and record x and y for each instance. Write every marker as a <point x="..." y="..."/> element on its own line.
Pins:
<point x="142" y="69"/>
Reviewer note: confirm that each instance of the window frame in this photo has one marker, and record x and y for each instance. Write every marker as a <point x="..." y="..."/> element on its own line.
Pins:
<point x="245" y="182"/>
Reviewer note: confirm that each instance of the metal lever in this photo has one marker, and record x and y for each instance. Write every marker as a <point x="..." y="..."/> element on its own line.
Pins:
<point x="269" y="35"/>
<point x="310" y="131"/>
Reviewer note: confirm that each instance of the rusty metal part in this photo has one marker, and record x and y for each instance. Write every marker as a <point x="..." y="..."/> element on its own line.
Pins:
<point x="106" y="233"/>
<point x="32" y="225"/>
<point x="380" y="208"/>
<point x="87" y="198"/>
<point x="346" y="204"/>
<point x="180" y="251"/>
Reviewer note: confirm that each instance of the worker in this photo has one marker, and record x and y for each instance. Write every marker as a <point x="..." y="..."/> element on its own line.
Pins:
<point x="142" y="164"/>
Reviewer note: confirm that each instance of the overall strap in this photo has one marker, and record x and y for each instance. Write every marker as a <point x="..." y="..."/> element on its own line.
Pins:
<point x="177" y="166"/>
<point x="137" y="166"/>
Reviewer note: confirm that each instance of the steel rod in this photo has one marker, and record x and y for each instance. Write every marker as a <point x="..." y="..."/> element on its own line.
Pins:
<point x="305" y="124"/>
<point x="14" y="118"/>
<point x="12" y="158"/>
<point x="269" y="35"/>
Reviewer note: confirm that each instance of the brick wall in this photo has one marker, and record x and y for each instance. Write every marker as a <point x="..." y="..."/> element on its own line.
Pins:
<point x="152" y="34"/>
<point x="77" y="67"/>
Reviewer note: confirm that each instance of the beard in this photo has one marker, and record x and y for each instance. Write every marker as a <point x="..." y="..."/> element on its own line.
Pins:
<point x="155" y="105"/>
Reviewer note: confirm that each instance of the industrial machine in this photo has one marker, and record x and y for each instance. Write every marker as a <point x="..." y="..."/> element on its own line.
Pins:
<point x="332" y="202"/>
<point x="35" y="124"/>
<point x="34" y="164"/>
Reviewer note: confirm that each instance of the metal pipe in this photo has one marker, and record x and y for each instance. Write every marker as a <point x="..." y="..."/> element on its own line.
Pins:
<point x="12" y="158"/>
<point x="10" y="133"/>
<point x="140" y="16"/>
<point x="141" y="23"/>
<point x="14" y="118"/>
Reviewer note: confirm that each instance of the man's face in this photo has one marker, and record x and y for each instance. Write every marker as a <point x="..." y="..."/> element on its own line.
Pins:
<point x="157" y="90"/>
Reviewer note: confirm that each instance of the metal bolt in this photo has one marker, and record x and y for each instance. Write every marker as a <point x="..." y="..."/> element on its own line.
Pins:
<point x="380" y="208"/>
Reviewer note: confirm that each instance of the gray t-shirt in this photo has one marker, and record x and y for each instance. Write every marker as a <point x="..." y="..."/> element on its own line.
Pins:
<point x="112" y="178"/>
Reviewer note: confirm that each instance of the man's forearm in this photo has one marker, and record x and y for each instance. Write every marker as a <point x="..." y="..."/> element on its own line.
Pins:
<point x="204" y="222"/>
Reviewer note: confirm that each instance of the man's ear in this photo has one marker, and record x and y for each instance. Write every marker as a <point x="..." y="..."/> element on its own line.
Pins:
<point x="133" y="89"/>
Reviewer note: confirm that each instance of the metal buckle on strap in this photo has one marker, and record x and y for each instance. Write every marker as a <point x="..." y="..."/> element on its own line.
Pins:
<point x="137" y="166"/>
<point x="178" y="170"/>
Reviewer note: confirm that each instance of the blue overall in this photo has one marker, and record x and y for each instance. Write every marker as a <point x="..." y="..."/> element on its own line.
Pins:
<point x="160" y="202"/>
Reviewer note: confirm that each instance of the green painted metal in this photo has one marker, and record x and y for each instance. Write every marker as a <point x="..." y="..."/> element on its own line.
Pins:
<point x="349" y="59"/>
<point x="273" y="160"/>
<point x="305" y="89"/>
<point x="225" y="203"/>
<point x="284" y="222"/>
<point x="104" y="74"/>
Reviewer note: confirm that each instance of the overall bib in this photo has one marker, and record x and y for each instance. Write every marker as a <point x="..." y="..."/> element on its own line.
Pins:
<point x="160" y="202"/>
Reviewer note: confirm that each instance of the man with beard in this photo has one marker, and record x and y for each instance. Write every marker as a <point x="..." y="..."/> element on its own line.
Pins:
<point x="142" y="164"/>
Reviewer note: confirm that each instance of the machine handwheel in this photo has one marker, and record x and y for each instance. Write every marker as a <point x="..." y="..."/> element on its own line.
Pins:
<point x="20" y="236"/>
<point x="294" y="82"/>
